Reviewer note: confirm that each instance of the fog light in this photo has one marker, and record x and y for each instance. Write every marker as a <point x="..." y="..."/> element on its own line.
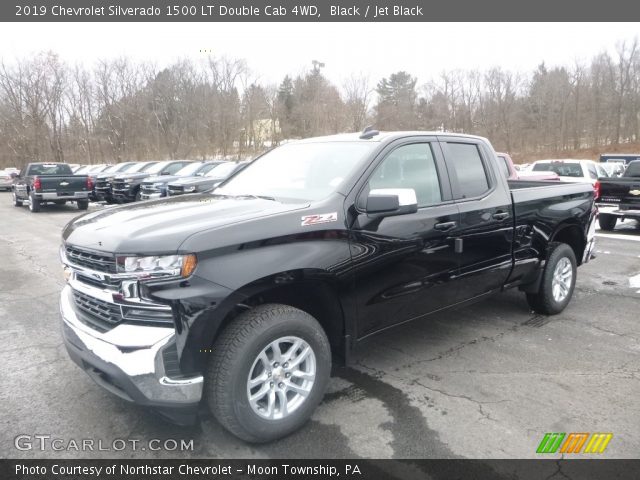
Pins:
<point x="67" y="273"/>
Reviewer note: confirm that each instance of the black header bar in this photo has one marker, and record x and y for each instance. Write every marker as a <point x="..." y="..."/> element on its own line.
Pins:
<point x="318" y="11"/>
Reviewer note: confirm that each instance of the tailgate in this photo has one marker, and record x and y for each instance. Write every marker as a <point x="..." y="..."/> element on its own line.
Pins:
<point x="623" y="191"/>
<point x="63" y="184"/>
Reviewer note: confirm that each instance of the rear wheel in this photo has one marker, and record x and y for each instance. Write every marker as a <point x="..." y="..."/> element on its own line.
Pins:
<point x="268" y="372"/>
<point x="607" y="222"/>
<point x="558" y="281"/>
<point x="16" y="201"/>
<point x="82" y="204"/>
<point x="34" y="203"/>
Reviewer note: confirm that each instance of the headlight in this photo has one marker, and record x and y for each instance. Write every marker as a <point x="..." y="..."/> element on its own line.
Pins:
<point x="165" y="265"/>
<point x="190" y="189"/>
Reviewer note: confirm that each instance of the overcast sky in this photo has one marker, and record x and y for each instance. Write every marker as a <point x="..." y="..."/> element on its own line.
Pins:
<point x="275" y="49"/>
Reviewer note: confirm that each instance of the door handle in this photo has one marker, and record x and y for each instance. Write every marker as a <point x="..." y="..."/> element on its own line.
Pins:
<point x="501" y="215"/>
<point x="444" y="226"/>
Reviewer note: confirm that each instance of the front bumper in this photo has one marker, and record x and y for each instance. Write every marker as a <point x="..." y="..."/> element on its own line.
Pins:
<point x="128" y="361"/>
<point x="150" y="196"/>
<point x="128" y="194"/>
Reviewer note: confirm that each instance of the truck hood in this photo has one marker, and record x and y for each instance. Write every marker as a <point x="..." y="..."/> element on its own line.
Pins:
<point x="161" y="226"/>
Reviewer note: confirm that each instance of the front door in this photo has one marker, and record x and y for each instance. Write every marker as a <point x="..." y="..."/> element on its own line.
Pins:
<point x="404" y="264"/>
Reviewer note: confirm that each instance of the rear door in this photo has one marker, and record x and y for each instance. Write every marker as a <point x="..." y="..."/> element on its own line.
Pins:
<point x="485" y="229"/>
<point x="404" y="265"/>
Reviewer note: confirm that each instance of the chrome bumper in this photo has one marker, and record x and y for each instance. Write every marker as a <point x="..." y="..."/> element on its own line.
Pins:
<point x="55" y="196"/>
<point x="615" y="210"/>
<point x="127" y="360"/>
<point x="150" y="196"/>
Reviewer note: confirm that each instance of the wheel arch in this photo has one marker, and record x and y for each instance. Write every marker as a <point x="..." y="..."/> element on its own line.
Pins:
<point x="573" y="235"/>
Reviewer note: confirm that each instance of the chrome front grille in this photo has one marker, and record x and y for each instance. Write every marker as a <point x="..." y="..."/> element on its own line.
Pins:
<point x="175" y="190"/>
<point x="99" y="314"/>
<point x="92" y="260"/>
<point x="150" y="189"/>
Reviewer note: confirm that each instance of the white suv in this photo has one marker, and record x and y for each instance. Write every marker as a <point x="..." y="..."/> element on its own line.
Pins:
<point x="571" y="170"/>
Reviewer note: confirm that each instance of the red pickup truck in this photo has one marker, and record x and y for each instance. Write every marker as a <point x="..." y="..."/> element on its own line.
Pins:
<point x="508" y="168"/>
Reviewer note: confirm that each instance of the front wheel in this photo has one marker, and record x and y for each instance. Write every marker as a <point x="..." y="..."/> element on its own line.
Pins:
<point x="558" y="281"/>
<point x="268" y="372"/>
<point x="607" y="222"/>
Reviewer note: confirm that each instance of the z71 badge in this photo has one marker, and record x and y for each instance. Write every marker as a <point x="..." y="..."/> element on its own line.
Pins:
<point x="308" y="220"/>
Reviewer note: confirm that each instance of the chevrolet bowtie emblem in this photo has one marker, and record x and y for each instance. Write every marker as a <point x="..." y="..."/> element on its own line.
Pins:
<point x="634" y="192"/>
<point x="64" y="184"/>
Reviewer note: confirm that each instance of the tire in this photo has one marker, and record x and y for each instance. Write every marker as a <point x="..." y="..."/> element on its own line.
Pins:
<point x="138" y="196"/>
<point x="560" y="261"/>
<point x="236" y="356"/>
<point x="34" y="203"/>
<point x="607" y="222"/>
<point x="16" y="202"/>
<point x="82" y="204"/>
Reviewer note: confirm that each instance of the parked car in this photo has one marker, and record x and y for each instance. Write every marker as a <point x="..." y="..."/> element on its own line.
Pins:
<point x="510" y="171"/>
<point x="126" y="187"/>
<point x="209" y="181"/>
<point x="6" y="180"/>
<point x="156" y="187"/>
<point x="241" y="298"/>
<point x="573" y="171"/>
<point x="620" y="197"/>
<point x="51" y="183"/>
<point x="104" y="188"/>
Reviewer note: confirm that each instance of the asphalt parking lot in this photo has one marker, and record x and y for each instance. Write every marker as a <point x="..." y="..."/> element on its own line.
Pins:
<point x="487" y="381"/>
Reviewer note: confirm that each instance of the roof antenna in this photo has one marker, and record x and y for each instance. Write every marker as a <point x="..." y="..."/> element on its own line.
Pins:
<point x="369" y="132"/>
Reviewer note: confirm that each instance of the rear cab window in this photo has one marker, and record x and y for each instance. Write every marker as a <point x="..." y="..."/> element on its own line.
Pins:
<point x="50" y="169"/>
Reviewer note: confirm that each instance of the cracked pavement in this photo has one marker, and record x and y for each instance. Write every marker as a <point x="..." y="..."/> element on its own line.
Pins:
<point x="486" y="381"/>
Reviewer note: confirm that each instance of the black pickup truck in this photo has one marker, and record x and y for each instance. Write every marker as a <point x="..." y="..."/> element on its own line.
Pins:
<point x="241" y="298"/>
<point x="53" y="183"/>
<point x="619" y="197"/>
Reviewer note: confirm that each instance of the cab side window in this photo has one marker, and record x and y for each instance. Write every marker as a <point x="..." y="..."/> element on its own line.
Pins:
<point x="410" y="166"/>
<point x="465" y="163"/>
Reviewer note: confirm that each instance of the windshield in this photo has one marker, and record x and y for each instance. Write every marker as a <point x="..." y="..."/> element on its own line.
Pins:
<point x="301" y="171"/>
<point x="561" y="168"/>
<point x="189" y="170"/>
<point x="140" y="167"/>
<point x="124" y="167"/>
<point x="155" y="167"/>
<point x="222" y="171"/>
<point x="206" y="168"/>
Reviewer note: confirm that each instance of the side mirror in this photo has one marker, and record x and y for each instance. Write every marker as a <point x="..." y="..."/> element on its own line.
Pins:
<point x="392" y="201"/>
